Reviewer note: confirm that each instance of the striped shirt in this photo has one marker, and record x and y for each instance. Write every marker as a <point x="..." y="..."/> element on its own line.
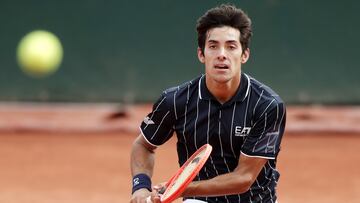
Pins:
<point x="252" y="122"/>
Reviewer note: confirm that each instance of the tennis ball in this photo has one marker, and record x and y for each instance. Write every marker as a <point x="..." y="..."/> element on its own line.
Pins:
<point x="39" y="53"/>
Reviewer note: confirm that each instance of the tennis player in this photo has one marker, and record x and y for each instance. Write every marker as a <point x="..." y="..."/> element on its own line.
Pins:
<point x="241" y="118"/>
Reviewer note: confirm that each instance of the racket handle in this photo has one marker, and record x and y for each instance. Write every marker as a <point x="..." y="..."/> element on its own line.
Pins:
<point x="148" y="199"/>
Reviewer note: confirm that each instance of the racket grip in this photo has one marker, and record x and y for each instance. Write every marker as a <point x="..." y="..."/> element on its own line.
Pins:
<point x="148" y="199"/>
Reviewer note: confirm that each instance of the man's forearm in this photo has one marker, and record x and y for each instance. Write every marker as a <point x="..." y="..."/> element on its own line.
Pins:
<point x="141" y="159"/>
<point x="226" y="184"/>
<point x="236" y="182"/>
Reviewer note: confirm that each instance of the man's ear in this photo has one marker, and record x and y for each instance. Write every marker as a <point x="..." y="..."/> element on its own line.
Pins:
<point x="245" y="55"/>
<point x="200" y="54"/>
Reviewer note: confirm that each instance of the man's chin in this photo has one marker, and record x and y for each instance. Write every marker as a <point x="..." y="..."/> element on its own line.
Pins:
<point x="222" y="79"/>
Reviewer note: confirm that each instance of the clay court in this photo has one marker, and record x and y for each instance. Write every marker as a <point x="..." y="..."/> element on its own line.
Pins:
<point x="80" y="154"/>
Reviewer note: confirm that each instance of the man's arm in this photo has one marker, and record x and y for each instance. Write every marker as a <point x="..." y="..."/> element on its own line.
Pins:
<point x="236" y="182"/>
<point x="141" y="162"/>
<point x="142" y="157"/>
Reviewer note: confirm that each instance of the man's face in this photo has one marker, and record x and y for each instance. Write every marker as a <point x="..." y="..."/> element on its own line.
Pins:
<point x="223" y="54"/>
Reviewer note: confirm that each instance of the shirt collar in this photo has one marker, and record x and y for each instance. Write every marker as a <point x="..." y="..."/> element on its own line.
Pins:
<point x="240" y="95"/>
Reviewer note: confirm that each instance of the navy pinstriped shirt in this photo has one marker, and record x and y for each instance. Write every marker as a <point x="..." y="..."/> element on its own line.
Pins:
<point x="251" y="123"/>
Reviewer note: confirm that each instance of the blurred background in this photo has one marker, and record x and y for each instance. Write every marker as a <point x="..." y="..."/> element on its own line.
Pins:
<point x="116" y="51"/>
<point x="66" y="137"/>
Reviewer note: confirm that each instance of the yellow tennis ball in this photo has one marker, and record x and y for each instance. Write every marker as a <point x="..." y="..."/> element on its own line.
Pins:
<point x="39" y="53"/>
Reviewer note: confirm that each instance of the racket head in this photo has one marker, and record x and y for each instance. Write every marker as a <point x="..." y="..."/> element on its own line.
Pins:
<point x="188" y="171"/>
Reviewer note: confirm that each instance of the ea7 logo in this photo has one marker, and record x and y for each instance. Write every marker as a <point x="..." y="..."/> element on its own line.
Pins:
<point x="242" y="131"/>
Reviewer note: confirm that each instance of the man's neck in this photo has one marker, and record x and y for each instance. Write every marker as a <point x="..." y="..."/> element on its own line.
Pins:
<point x="223" y="92"/>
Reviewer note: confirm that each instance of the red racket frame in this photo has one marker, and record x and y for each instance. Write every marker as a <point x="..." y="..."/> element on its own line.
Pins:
<point x="202" y="161"/>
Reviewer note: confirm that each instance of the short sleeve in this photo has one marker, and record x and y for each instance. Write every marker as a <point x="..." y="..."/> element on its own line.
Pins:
<point x="157" y="126"/>
<point x="266" y="133"/>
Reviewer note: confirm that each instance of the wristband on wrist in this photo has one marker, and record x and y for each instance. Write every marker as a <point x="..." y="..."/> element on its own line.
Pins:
<point x="141" y="181"/>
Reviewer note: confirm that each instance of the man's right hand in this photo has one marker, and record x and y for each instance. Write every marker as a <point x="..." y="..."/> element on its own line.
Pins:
<point x="139" y="196"/>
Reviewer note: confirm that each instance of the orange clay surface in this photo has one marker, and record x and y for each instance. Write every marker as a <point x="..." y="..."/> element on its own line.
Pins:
<point x="45" y="158"/>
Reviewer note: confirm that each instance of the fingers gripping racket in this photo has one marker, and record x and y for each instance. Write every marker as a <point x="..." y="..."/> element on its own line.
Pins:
<point x="183" y="177"/>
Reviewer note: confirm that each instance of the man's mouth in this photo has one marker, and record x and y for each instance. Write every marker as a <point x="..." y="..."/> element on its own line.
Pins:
<point x="221" y="66"/>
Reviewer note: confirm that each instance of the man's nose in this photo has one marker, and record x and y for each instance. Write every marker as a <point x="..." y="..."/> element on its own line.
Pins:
<point x="221" y="54"/>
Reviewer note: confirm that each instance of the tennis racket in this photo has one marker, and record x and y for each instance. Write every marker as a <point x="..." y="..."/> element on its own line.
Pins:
<point x="183" y="177"/>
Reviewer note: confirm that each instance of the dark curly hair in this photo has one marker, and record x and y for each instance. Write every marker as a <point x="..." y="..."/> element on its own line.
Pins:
<point x="224" y="15"/>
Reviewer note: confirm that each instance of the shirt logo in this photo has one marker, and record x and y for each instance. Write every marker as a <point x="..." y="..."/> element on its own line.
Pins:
<point x="242" y="131"/>
<point x="148" y="121"/>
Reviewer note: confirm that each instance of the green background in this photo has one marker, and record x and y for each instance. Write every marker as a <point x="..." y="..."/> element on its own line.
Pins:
<point x="129" y="51"/>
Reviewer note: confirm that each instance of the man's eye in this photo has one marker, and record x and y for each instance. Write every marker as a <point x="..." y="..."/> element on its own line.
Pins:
<point x="212" y="46"/>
